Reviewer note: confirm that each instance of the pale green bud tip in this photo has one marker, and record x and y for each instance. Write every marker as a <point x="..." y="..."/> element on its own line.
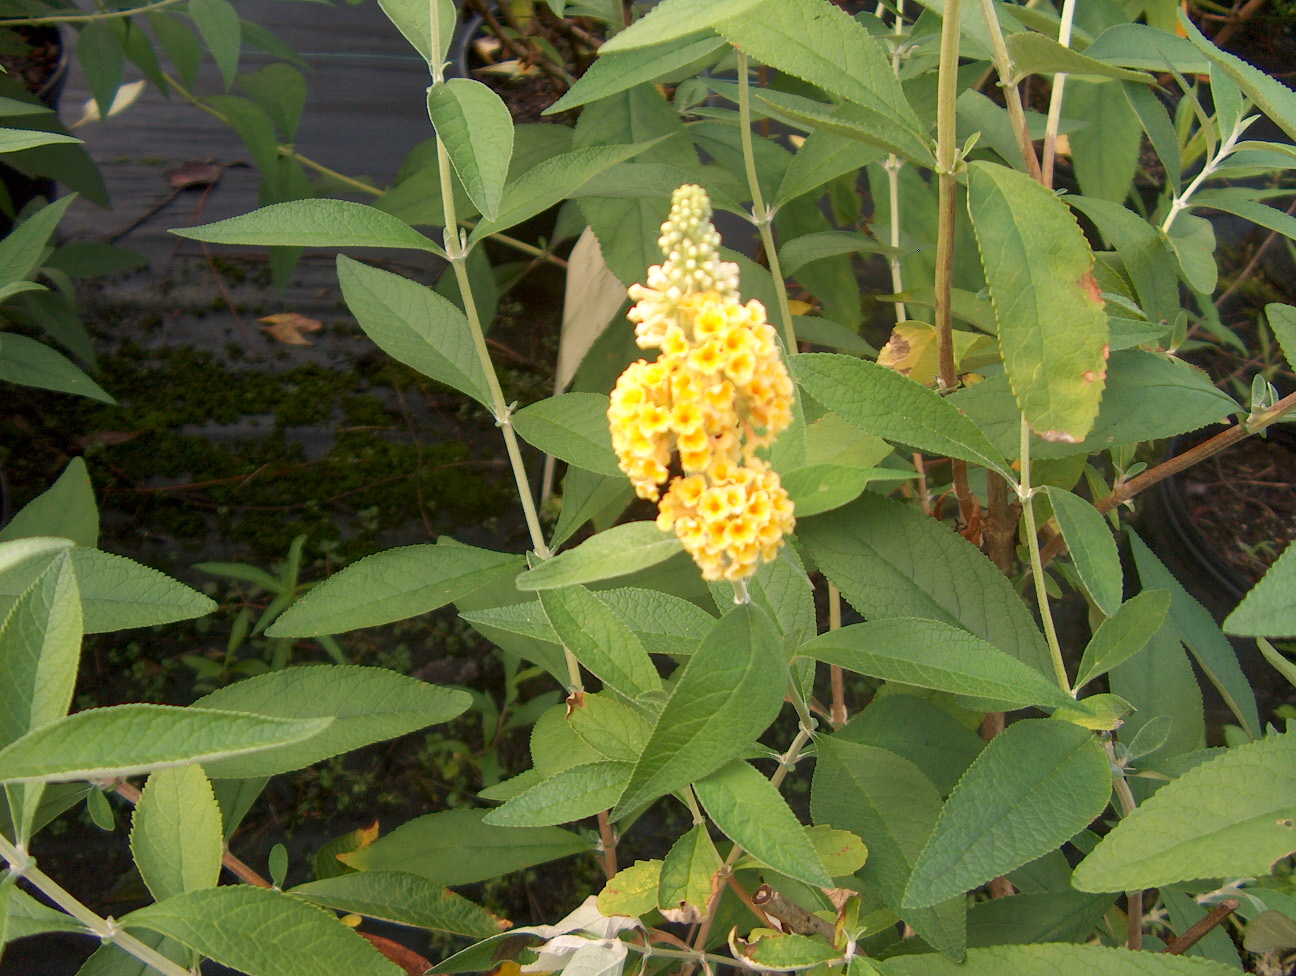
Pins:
<point x="691" y="246"/>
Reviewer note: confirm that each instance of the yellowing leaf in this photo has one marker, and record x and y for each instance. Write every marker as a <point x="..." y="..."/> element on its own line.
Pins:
<point x="912" y="350"/>
<point x="631" y="891"/>
<point x="287" y="327"/>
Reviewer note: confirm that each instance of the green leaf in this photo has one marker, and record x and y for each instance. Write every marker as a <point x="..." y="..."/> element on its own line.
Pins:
<point x="15" y="140"/>
<point x="572" y="794"/>
<point x="313" y="223"/>
<point x="815" y="42"/>
<point x="610" y="728"/>
<point x="1149" y="396"/>
<point x="413" y="19"/>
<point x="229" y="924"/>
<point x="882" y="402"/>
<point x="406" y="899"/>
<point x="1198" y="630"/>
<point x="601" y="641"/>
<point x="67" y="509"/>
<point x="1093" y="549"/>
<point x="751" y="812"/>
<point x="727" y="694"/>
<point x="1234" y="815"/>
<point x="890" y="560"/>
<point x="124" y="740"/>
<point x="415" y="325"/>
<point x="1052" y="328"/>
<point x="934" y="654"/>
<point x="30" y="363"/>
<point x="551" y="182"/>
<point x="613" y="73"/>
<point x="1159" y="682"/>
<point x="823" y="157"/>
<point x="456" y="848"/>
<point x="40" y="647"/>
<point x="1053" y="776"/>
<point x="1141" y="46"/>
<point x="892" y="807"/>
<point x="1123" y="634"/>
<point x="788" y="952"/>
<point x="22" y="250"/>
<point x="1269" y="609"/>
<point x="103" y="61"/>
<point x="1106" y="151"/>
<point x="573" y="427"/>
<point x="631" y="891"/>
<point x="800" y="251"/>
<point x="873" y="128"/>
<point x="919" y="731"/>
<point x="689" y="874"/>
<point x="218" y="23"/>
<point x="1035" y="54"/>
<point x="841" y="851"/>
<point x="665" y="624"/>
<point x="586" y="496"/>
<point x="673" y="19"/>
<point x="28" y="917"/>
<point x="116" y="593"/>
<point x="392" y="585"/>
<point x="365" y="705"/>
<point x="1053" y="916"/>
<point x="1061" y="958"/>
<point x="176" y="836"/>
<point x="1271" y="96"/>
<point x="477" y="131"/>
<point x="1270" y="930"/>
<point x="621" y="550"/>
<point x="1282" y="321"/>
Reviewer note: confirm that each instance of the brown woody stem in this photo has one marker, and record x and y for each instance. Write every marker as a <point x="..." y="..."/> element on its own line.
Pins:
<point x="1198" y="932"/>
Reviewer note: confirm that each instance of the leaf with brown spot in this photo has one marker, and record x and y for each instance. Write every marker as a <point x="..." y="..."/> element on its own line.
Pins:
<point x="287" y="327"/>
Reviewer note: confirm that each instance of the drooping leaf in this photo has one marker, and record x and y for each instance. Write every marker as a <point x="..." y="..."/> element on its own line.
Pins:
<point x="366" y="705"/>
<point x="884" y="403"/>
<point x="573" y="427"/>
<point x="1123" y="634"/>
<point x="313" y="223"/>
<point x="892" y="807"/>
<point x="477" y="131"/>
<point x="406" y="899"/>
<point x="600" y="640"/>
<point x="228" y="924"/>
<point x="1233" y="815"/>
<point x="1093" y="549"/>
<point x="1051" y="775"/>
<point x="934" y="654"/>
<point x="890" y="560"/>
<point x="1034" y="53"/>
<point x="218" y="23"/>
<point x="176" y="836"/>
<point x="726" y="695"/>
<point x="414" y="325"/>
<point x="1052" y="328"/>
<point x="752" y="813"/>
<point x="27" y="362"/>
<point x="413" y="19"/>
<point x="455" y="848"/>
<point x="124" y="740"/>
<point x="621" y="550"/>
<point x="392" y="585"/>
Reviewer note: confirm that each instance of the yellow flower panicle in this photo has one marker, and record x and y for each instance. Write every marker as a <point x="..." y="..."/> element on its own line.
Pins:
<point x="717" y="392"/>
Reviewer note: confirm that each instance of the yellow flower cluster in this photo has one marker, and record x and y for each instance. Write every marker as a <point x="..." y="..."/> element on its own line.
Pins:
<point x="717" y="392"/>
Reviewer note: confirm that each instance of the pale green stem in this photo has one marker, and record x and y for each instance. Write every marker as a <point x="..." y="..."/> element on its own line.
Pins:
<point x="1134" y="898"/>
<point x="21" y="863"/>
<point x="946" y="161"/>
<point x="1226" y="148"/>
<point x="1055" y="97"/>
<point x="1012" y="97"/>
<point x="83" y="18"/>
<point x="1025" y="492"/>
<point x="762" y="215"/>
<point x="893" y="165"/>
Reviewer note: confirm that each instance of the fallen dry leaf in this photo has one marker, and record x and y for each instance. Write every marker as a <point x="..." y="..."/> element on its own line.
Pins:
<point x="287" y="327"/>
<point x="195" y="174"/>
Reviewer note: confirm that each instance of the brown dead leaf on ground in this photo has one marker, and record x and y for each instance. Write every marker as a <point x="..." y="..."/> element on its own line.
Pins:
<point x="194" y="174"/>
<point x="287" y="327"/>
